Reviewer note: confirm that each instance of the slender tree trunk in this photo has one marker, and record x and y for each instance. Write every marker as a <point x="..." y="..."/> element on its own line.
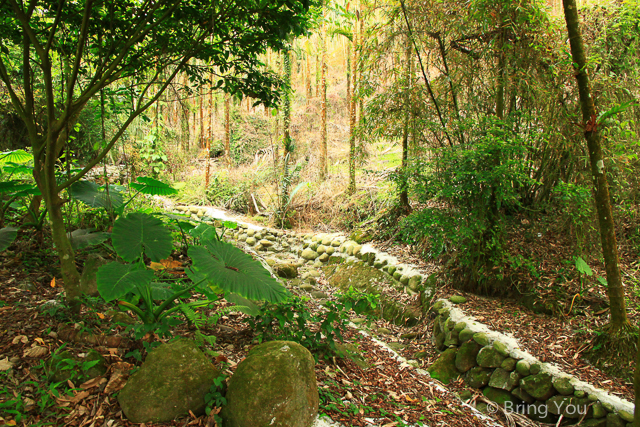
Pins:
<point x="287" y="101"/>
<point x="348" y="66"/>
<point x="323" y="105"/>
<point x="404" y="191"/>
<point x="308" y="78"/>
<point x="227" y="128"/>
<point x="615" y="288"/>
<point x="352" y="113"/>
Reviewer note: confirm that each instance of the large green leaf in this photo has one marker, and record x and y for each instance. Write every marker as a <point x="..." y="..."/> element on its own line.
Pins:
<point x="115" y="280"/>
<point x="17" y="156"/>
<point x="147" y="185"/>
<point x="204" y="231"/>
<point x="15" y="186"/>
<point x="249" y="307"/>
<point x="227" y="267"/>
<point x="84" y="238"/>
<point x="138" y="232"/>
<point x="7" y="236"/>
<point x="95" y="195"/>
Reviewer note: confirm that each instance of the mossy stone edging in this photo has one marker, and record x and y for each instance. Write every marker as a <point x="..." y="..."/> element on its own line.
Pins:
<point x="510" y="377"/>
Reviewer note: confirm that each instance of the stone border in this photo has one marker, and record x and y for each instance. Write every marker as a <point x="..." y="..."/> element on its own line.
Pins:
<point x="494" y="362"/>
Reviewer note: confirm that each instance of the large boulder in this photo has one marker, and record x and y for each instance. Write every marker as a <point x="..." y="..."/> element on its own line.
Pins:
<point x="172" y="381"/>
<point x="274" y="386"/>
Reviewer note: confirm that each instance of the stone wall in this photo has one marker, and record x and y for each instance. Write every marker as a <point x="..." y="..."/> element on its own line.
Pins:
<point x="485" y="359"/>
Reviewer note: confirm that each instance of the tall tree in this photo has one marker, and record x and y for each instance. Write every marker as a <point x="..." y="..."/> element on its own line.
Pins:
<point x="124" y="46"/>
<point x="352" y="110"/>
<point x="615" y="289"/>
<point x="323" y="97"/>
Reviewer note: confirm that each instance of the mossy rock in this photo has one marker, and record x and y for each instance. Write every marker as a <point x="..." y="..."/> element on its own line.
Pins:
<point x="274" y="386"/>
<point x="539" y="386"/>
<point x="477" y="377"/>
<point x="568" y="406"/>
<point x="499" y="396"/>
<point x="444" y="368"/>
<point x="488" y="357"/>
<point x="287" y="271"/>
<point x="65" y="366"/>
<point x="504" y="380"/>
<point x="466" y="357"/>
<point x="361" y="236"/>
<point x="563" y="386"/>
<point x="173" y="380"/>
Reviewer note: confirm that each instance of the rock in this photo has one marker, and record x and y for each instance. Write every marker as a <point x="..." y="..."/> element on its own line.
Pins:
<point x="477" y="377"/>
<point x="404" y="279"/>
<point x="535" y="369"/>
<point x="266" y="243"/>
<point x="358" y="320"/>
<point x="306" y="287"/>
<point x="309" y="254"/>
<point x="251" y="241"/>
<point x="488" y="357"/>
<point x="396" y="346"/>
<point x="444" y="368"/>
<point x="319" y="295"/>
<point x="465" y="395"/>
<point x="314" y="273"/>
<point x="607" y="406"/>
<point x="522" y="367"/>
<point x="466" y="356"/>
<point x="88" y="283"/>
<point x="465" y="335"/>
<point x="384" y="331"/>
<point x="457" y="299"/>
<point x="287" y="271"/>
<point x="501" y="348"/>
<point x="563" y="385"/>
<point x="335" y="243"/>
<point x="504" y="380"/>
<point x="172" y="381"/>
<point x="409" y="335"/>
<point x="602" y="422"/>
<point x="580" y="393"/>
<point x="321" y="249"/>
<point x="274" y="386"/>
<point x="626" y="415"/>
<point x="326" y="241"/>
<point x="481" y="338"/>
<point x="501" y="397"/>
<point x="539" y="386"/>
<point x="509" y="364"/>
<point x="614" y="420"/>
<point x="538" y="411"/>
<point x="421" y="354"/>
<point x="414" y="283"/>
<point x="330" y="250"/>
<point x="361" y="236"/>
<point x="522" y="395"/>
<point x="323" y="258"/>
<point x="567" y="406"/>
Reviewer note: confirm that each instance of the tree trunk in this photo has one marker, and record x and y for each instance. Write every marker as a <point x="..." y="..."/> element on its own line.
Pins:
<point x="404" y="191"/>
<point x="323" y="102"/>
<point x="287" y="101"/>
<point x="227" y="128"/>
<point x="615" y="288"/>
<point x="352" y="112"/>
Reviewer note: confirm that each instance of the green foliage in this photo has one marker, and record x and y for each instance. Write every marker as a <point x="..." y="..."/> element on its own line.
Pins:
<point x="320" y="333"/>
<point x="146" y="185"/>
<point x="96" y="196"/>
<point x="215" y="398"/>
<point x="85" y="237"/>
<point x="217" y="267"/>
<point x="152" y="153"/>
<point x="7" y="236"/>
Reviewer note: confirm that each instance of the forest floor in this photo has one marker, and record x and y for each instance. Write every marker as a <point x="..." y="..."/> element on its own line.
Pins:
<point x="386" y="392"/>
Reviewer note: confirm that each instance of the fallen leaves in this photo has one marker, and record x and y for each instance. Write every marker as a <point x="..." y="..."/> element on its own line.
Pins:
<point x="37" y="352"/>
<point x="5" y="365"/>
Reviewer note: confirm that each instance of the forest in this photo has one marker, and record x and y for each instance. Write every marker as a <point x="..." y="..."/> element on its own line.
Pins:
<point x="240" y="213"/>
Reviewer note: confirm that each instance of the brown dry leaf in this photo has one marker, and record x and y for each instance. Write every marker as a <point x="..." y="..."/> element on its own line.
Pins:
<point x="171" y="264"/>
<point x="118" y="378"/>
<point x="53" y="282"/>
<point x="155" y="266"/>
<point x="93" y="383"/>
<point x="5" y="365"/>
<point x="40" y="341"/>
<point x="20" y="339"/>
<point x="37" y="351"/>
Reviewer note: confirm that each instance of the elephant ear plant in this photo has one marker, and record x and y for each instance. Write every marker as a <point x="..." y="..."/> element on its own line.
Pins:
<point x="217" y="268"/>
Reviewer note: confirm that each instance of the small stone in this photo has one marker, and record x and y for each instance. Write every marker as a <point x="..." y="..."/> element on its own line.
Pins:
<point x="323" y="258"/>
<point x="317" y="264"/>
<point x="614" y="420"/>
<point x="608" y="406"/>
<point x="384" y="331"/>
<point x="306" y="287"/>
<point x="266" y="243"/>
<point x="308" y="254"/>
<point x="465" y="395"/>
<point x="444" y="369"/>
<point x="535" y="369"/>
<point x="488" y="357"/>
<point x="319" y="295"/>
<point x="242" y="237"/>
<point x="501" y="348"/>
<point x="251" y="241"/>
<point x="465" y="335"/>
<point x="330" y="250"/>
<point x="523" y="368"/>
<point x="251" y="232"/>
<point x="335" y="243"/>
<point x="421" y="354"/>
<point x="467" y="355"/>
<point x="321" y="249"/>
<point x="477" y="377"/>
<point x="538" y="386"/>
<point x="563" y="386"/>
<point x="413" y="363"/>
<point x="314" y="273"/>
<point x="481" y="338"/>
<point x="579" y="393"/>
<point x="504" y="380"/>
<point x="457" y="299"/>
<point x="409" y="335"/>
<point x="358" y="320"/>
<point x="509" y="364"/>
<point x="598" y="410"/>
<point x="522" y="395"/>
<point x="626" y="415"/>
<point x="499" y="396"/>
<point x="458" y="327"/>
<point x="392" y="269"/>
<point x="396" y="346"/>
